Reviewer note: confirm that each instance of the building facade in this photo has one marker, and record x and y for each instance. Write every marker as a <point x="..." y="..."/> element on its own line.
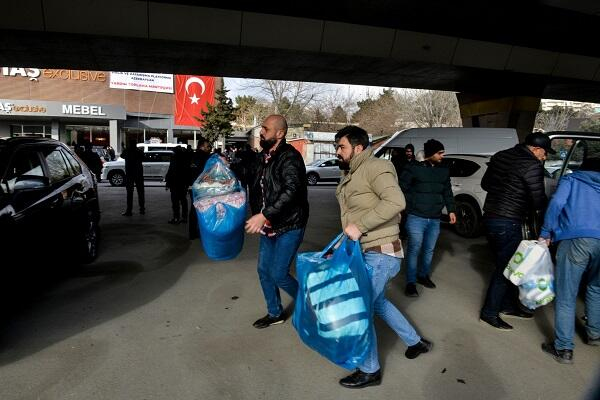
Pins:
<point x="105" y="108"/>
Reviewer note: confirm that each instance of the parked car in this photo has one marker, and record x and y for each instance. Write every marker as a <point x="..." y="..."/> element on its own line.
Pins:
<point x="48" y="201"/>
<point x="156" y="165"/>
<point x="327" y="170"/>
<point x="466" y="172"/>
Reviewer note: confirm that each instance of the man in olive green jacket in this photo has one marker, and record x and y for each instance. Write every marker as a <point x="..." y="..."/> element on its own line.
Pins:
<point x="370" y="202"/>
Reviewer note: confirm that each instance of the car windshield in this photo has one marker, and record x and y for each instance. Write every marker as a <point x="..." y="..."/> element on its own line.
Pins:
<point x="316" y="162"/>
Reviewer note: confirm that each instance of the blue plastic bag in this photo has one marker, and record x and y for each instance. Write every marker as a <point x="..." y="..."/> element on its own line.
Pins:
<point x="220" y="205"/>
<point x="333" y="312"/>
<point x="222" y="228"/>
<point x="216" y="179"/>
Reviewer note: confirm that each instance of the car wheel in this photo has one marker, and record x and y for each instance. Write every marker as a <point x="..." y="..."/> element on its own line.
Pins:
<point x="468" y="219"/>
<point x="312" y="179"/>
<point x="116" y="178"/>
<point x="89" y="238"/>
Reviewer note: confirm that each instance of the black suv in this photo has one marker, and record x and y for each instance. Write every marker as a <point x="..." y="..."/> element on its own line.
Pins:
<point x="48" y="202"/>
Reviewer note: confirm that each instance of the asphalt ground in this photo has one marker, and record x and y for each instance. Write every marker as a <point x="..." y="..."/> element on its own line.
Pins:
<point x="154" y="318"/>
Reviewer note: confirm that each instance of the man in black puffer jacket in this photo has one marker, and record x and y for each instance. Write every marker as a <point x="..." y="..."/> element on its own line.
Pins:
<point x="514" y="181"/>
<point x="279" y="202"/>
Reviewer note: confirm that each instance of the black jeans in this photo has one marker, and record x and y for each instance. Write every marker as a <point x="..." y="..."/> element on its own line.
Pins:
<point x="138" y="182"/>
<point x="179" y="201"/>
<point x="504" y="236"/>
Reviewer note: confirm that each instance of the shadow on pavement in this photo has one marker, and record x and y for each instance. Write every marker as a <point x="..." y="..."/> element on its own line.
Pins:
<point x="135" y="267"/>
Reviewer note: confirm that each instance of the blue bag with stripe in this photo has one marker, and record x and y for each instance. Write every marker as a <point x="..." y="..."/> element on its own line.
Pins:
<point x="333" y="312"/>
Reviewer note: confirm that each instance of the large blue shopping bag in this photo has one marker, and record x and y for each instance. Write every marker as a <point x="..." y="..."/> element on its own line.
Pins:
<point x="333" y="313"/>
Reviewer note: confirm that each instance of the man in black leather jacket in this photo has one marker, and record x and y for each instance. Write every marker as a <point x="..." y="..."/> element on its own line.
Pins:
<point x="279" y="203"/>
<point x="514" y="181"/>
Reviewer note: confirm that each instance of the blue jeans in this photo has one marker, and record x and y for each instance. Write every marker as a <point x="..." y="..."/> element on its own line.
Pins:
<point x="504" y="236"/>
<point x="422" y="236"/>
<point x="275" y="257"/>
<point x="574" y="258"/>
<point x="382" y="268"/>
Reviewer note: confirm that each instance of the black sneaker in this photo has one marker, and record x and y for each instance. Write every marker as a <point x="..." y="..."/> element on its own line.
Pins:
<point x="411" y="290"/>
<point x="592" y="341"/>
<point x="126" y="214"/>
<point x="359" y="379"/>
<point x="426" y="281"/>
<point x="520" y="314"/>
<point x="496" y="322"/>
<point x="267" y="321"/>
<point x="142" y="211"/>
<point x="562" y="356"/>
<point x="422" y="347"/>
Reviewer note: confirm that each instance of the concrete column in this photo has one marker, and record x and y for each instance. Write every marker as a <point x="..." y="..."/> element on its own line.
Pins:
<point x="516" y="112"/>
<point x="170" y="138"/>
<point x="115" y="135"/>
<point x="54" y="129"/>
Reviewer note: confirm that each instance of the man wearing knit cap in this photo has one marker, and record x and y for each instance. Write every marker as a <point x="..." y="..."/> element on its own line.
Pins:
<point x="427" y="188"/>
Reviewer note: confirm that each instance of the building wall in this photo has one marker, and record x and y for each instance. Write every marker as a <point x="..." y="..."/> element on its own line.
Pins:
<point x="84" y="87"/>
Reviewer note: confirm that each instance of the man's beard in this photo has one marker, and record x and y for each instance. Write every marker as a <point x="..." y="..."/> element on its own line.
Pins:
<point x="267" y="144"/>
<point x="345" y="165"/>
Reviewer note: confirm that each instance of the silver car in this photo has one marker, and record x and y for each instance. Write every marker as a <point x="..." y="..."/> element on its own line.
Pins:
<point x="326" y="170"/>
<point x="156" y="165"/>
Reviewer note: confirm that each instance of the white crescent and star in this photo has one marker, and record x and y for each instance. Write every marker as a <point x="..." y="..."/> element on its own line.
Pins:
<point x="194" y="79"/>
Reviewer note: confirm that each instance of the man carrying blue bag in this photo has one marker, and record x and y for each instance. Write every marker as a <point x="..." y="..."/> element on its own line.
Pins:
<point x="370" y="203"/>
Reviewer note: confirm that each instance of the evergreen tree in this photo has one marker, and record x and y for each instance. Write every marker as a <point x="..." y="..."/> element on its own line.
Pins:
<point x="218" y="117"/>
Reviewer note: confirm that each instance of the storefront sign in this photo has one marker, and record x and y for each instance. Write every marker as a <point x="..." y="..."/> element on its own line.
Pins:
<point x="162" y="83"/>
<point x="32" y="73"/>
<point x="60" y="109"/>
<point x="80" y="109"/>
<point x="74" y="75"/>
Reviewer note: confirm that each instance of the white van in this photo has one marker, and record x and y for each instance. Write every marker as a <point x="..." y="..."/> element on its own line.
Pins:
<point x="159" y="146"/>
<point x="480" y="141"/>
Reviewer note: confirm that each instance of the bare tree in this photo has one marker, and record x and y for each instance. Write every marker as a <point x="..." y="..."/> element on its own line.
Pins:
<point x="555" y="119"/>
<point x="289" y="98"/>
<point x="429" y="108"/>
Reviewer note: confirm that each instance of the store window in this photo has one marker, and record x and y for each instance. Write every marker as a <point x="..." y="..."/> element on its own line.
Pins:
<point x="31" y="130"/>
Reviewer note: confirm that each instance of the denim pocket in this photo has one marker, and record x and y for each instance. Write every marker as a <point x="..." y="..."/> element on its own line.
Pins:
<point x="578" y="252"/>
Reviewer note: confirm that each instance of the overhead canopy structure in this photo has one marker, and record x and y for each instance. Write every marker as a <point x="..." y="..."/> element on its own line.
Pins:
<point x="544" y="49"/>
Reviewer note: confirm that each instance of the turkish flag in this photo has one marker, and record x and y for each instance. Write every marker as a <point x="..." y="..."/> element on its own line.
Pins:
<point x="192" y="94"/>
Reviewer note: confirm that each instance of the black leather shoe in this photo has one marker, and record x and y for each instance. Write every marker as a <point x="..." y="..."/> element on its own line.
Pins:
<point x="267" y="321"/>
<point x="496" y="322"/>
<point x="422" y="347"/>
<point x="142" y="211"/>
<point x="562" y="356"/>
<point x="411" y="290"/>
<point x="519" y="314"/>
<point x="359" y="379"/>
<point x="426" y="281"/>
<point x="126" y="214"/>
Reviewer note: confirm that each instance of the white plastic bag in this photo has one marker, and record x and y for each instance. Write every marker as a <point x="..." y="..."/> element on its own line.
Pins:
<point x="531" y="269"/>
<point x="528" y="255"/>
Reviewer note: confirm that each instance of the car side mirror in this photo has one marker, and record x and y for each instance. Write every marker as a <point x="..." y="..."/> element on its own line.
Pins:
<point x="29" y="182"/>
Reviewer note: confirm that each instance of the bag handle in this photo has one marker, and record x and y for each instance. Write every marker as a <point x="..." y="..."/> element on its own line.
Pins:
<point x="331" y="245"/>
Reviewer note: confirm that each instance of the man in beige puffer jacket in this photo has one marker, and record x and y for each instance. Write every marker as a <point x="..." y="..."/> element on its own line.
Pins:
<point x="370" y="203"/>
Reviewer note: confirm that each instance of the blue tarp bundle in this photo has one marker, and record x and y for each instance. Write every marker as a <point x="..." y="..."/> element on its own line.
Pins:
<point x="220" y="205"/>
<point x="333" y="311"/>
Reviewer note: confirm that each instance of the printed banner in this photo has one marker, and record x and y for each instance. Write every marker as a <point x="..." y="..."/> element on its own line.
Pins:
<point x="192" y="93"/>
<point x="162" y="83"/>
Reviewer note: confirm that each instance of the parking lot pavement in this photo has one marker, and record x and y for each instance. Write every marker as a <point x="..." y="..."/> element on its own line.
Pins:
<point x="153" y="318"/>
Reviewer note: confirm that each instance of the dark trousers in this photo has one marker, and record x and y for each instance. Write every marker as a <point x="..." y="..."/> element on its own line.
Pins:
<point x="179" y="201"/>
<point x="504" y="236"/>
<point x="138" y="181"/>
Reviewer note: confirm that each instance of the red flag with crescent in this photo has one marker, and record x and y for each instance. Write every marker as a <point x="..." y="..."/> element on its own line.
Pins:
<point x="192" y="94"/>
